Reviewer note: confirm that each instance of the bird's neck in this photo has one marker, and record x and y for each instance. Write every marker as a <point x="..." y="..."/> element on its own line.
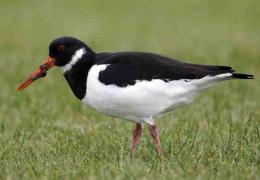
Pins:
<point x="77" y="75"/>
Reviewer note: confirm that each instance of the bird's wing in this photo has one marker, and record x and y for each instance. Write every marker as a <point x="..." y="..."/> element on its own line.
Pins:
<point x="128" y="67"/>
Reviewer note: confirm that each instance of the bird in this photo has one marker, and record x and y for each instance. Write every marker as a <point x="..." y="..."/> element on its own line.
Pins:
<point x="133" y="86"/>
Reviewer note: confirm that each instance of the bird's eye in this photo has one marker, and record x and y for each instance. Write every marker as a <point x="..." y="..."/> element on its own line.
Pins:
<point x="61" y="47"/>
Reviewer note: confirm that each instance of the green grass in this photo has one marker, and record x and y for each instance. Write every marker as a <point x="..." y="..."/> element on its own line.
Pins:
<point x="46" y="133"/>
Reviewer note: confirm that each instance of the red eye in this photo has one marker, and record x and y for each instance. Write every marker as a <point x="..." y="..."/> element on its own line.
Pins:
<point x="61" y="47"/>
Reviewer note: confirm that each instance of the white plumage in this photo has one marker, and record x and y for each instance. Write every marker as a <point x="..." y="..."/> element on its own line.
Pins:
<point x="75" y="58"/>
<point x="144" y="100"/>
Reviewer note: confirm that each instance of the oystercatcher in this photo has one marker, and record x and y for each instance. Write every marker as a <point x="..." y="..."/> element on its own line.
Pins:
<point x="135" y="86"/>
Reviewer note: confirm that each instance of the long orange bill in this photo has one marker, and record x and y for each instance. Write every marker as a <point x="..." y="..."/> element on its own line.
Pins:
<point x="38" y="73"/>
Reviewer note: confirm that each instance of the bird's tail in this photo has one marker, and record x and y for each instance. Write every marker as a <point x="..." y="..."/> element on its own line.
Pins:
<point x="217" y="70"/>
<point x="242" y="76"/>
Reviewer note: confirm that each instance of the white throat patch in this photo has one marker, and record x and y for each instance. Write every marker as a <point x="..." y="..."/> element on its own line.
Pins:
<point x="75" y="58"/>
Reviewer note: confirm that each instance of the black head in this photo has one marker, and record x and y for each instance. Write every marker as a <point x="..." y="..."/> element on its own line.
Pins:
<point x="61" y="52"/>
<point x="62" y="49"/>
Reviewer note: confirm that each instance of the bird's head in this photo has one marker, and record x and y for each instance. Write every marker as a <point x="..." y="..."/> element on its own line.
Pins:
<point x="63" y="52"/>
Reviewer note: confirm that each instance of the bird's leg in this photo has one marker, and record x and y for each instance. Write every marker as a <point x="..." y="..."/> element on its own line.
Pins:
<point x="155" y="135"/>
<point x="136" y="136"/>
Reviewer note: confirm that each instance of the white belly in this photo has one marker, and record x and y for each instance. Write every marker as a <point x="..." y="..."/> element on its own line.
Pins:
<point x="144" y="100"/>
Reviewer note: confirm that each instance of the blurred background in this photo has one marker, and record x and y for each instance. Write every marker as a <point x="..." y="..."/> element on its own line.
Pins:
<point x="46" y="131"/>
<point x="219" y="32"/>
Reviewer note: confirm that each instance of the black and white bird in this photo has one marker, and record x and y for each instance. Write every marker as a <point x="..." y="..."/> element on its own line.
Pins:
<point x="135" y="86"/>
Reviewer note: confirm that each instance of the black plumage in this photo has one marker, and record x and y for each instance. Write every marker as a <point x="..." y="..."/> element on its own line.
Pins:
<point x="126" y="68"/>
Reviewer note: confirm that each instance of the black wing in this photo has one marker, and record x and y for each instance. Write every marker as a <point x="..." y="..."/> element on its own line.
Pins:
<point x="127" y="67"/>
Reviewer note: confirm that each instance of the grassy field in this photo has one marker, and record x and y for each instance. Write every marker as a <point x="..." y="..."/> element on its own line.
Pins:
<point x="45" y="133"/>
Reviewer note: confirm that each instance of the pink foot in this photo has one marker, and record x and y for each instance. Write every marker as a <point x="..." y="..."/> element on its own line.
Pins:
<point x="156" y="140"/>
<point x="136" y="137"/>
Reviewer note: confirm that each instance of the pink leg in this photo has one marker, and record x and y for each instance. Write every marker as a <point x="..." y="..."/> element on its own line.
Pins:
<point x="136" y="136"/>
<point x="155" y="135"/>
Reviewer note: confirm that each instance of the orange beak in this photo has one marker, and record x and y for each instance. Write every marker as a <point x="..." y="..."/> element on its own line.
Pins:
<point x="38" y="73"/>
